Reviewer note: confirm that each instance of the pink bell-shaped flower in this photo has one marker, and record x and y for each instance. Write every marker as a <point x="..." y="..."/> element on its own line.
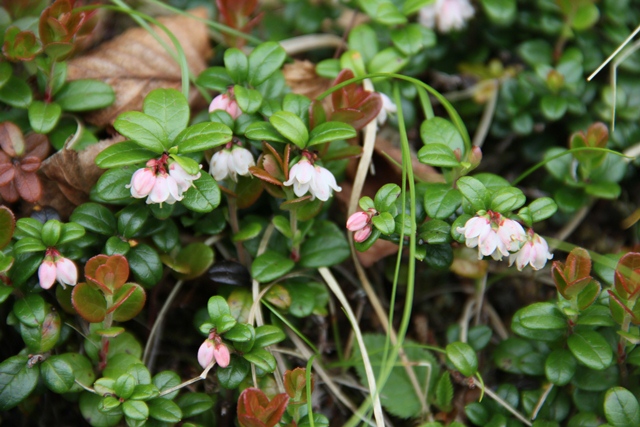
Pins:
<point x="47" y="273"/>
<point x="66" y="272"/>
<point x="226" y="103"/>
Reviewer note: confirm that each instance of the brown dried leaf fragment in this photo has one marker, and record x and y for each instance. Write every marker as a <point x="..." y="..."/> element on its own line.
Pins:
<point x="302" y="78"/>
<point x="68" y="176"/>
<point x="134" y="64"/>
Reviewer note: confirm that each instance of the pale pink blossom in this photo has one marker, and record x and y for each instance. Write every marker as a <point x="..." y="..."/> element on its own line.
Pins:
<point x="388" y="107"/>
<point x="47" y="273"/>
<point x="183" y="179"/>
<point x="363" y="234"/>
<point x="142" y="183"/>
<point x="493" y="234"/>
<point x="165" y="190"/>
<point x="205" y="353"/>
<point x="446" y="15"/>
<point x="231" y="162"/>
<point x="221" y="354"/>
<point x="358" y="221"/>
<point x="511" y="234"/>
<point x="534" y="252"/>
<point x="66" y="272"/>
<point x="300" y="176"/>
<point x="226" y="103"/>
<point x="322" y="184"/>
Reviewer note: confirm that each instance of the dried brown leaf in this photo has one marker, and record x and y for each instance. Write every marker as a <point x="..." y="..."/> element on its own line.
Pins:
<point x="134" y="64"/>
<point x="68" y="176"/>
<point x="302" y="78"/>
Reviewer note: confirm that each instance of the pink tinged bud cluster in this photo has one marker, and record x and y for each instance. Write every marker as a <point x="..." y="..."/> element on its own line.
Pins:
<point x="212" y="351"/>
<point x="158" y="186"/>
<point x="446" y="15"/>
<point x="534" y="252"/>
<point x="493" y="234"/>
<point x="231" y="163"/>
<point x="360" y="224"/>
<point x="318" y="181"/>
<point x="57" y="268"/>
<point x="226" y="103"/>
<point x="388" y="107"/>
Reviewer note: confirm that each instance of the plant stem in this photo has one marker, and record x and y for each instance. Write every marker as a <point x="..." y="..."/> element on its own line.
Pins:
<point x="104" y="342"/>
<point x="233" y="221"/>
<point x="159" y="321"/>
<point x="295" y="243"/>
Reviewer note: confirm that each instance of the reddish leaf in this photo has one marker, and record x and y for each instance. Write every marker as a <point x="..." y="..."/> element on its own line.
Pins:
<point x="114" y="272"/>
<point x="9" y="193"/>
<point x="28" y="186"/>
<point x="36" y="145"/>
<point x="598" y="135"/>
<point x="129" y="301"/>
<point x="7" y="172"/>
<point x="627" y="274"/>
<point x="347" y="115"/>
<point x="264" y="175"/>
<point x="7" y="225"/>
<point x="295" y="384"/>
<point x="235" y="14"/>
<point x="30" y="164"/>
<point x="248" y="190"/>
<point x="89" y="302"/>
<point x="255" y="409"/>
<point x="578" y="265"/>
<point x="11" y="139"/>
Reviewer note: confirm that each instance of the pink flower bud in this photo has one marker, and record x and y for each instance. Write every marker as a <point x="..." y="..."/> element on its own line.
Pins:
<point x="142" y="183"/>
<point x="205" y="353"/>
<point x="66" y="272"/>
<point x="357" y="221"/>
<point x="221" y="353"/>
<point x="224" y="102"/>
<point x="47" y="273"/>
<point x="363" y="234"/>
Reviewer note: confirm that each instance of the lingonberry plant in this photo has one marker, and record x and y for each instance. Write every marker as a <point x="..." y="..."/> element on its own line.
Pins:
<point x="372" y="212"/>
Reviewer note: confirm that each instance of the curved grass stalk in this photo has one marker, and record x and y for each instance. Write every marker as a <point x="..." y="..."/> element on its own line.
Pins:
<point x="159" y="320"/>
<point x="538" y="165"/>
<point x="312" y="422"/>
<point x="614" y="54"/>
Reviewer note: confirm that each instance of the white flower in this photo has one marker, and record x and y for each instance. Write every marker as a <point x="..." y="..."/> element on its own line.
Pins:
<point x="231" y="163"/>
<point x="182" y="178"/>
<point x="388" y="107"/>
<point x="54" y="268"/>
<point x="165" y="190"/>
<point x="493" y="234"/>
<point x="300" y="176"/>
<point x="447" y="15"/>
<point x="66" y="272"/>
<point x="535" y="252"/>
<point x="322" y="184"/>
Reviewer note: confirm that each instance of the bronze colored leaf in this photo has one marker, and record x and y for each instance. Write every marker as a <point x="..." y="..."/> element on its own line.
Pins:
<point x="134" y="64"/>
<point x="302" y="78"/>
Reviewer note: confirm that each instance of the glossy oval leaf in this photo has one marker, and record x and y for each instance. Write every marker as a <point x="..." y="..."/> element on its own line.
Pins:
<point x="291" y="127"/>
<point x="331" y="131"/>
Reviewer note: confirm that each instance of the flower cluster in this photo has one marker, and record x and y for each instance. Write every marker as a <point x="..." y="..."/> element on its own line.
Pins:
<point x="307" y="177"/>
<point x="360" y="224"/>
<point x="498" y="236"/>
<point x="226" y="103"/>
<point x="447" y="15"/>
<point x="231" y="161"/>
<point x="158" y="185"/>
<point x="213" y="351"/>
<point x="56" y="267"/>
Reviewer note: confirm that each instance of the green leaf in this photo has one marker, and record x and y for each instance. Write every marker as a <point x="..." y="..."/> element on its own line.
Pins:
<point x="43" y="117"/>
<point x="553" y="107"/>
<point x="165" y="410"/>
<point x="270" y="266"/>
<point x="444" y="392"/>
<point x="384" y="222"/>
<point x="386" y="198"/>
<point x="542" y="208"/>
<point x="330" y="131"/>
<point x="363" y="39"/>
<point x="70" y="232"/>
<point x="145" y="265"/>
<point x="95" y="217"/>
<point x="268" y="335"/>
<point x="30" y="310"/>
<point x="474" y="191"/>
<point x="326" y="247"/>
<point x="129" y="299"/>
<point x="412" y="6"/>
<point x="136" y="410"/>
<point x="621" y="408"/>
<point x="132" y="219"/>
<point x="263" y="131"/>
<point x="196" y="258"/>
<point x="542" y="315"/>
<point x="220" y="314"/>
<point x="57" y="374"/>
<point x="435" y="232"/>
<point x="388" y="60"/>
<point x="204" y="196"/>
<point x="591" y="349"/>
<point x="82" y="370"/>
<point x="240" y="333"/>
<point x="17" y="381"/>
<point x="5" y="72"/>
<point x="89" y="302"/>
<point x="383" y="12"/>
<point x="442" y="131"/>
<point x="85" y="95"/>
<point x="51" y="232"/>
<point x="236" y="63"/>
<point x="536" y="52"/>
<point x="264" y="60"/>
<point x="560" y="367"/>
<point x="507" y="199"/>
<point x="586" y="16"/>
<point x="90" y="407"/>
<point x="170" y="108"/>
<point x="193" y="404"/>
<point x="124" y="385"/>
<point x="249" y="100"/>
<point x="16" y="93"/>
<point x="262" y="359"/>
<point x="27" y="245"/>
<point x="408" y="39"/>
<point x="501" y="12"/>
<point x="142" y="129"/>
<point x="463" y="358"/>
<point x="297" y="104"/>
<point x="435" y="154"/>
<point x="291" y="127"/>
<point x="144" y="392"/>
<point x="166" y="380"/>
<point x="231" y="376"/>
<point x="441" y="201"/>
<point x="247" y="232"/>
<point x="215" y="78"/>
